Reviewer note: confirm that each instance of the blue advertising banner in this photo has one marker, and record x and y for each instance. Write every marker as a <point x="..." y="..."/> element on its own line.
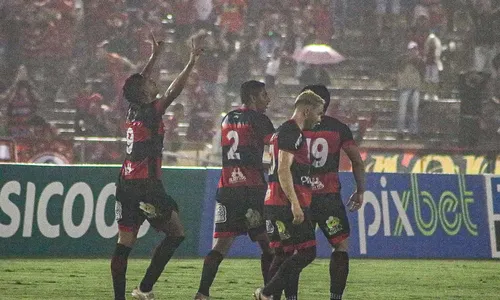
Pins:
<point x="422" y="216"/>
<point x="493" y="199"/>
<point x="404" y="216"/>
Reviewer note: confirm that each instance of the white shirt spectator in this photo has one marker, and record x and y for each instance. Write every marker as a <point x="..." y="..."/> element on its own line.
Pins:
<point x="273" y="66"/>
<point x="204" y="8"/>
<point x="420" y="11"/>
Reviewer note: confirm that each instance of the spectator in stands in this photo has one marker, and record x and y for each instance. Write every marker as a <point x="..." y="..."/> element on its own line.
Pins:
<point x="90" y="122"/>
<point x="420" y="10"/>
<point x="315" y="74"/>
<point x="433" y="65"/>
<point x="484" y="35"/>
<point x="437" y="18"/>
<point x="322" y="21"/>
<point x="46" y="42"/>
<point x="97" y="26"/>
<point x="22" y="105"/>
<point x="420" y="32"/>
<point x="41" y="129"/>
<point x="409" y="82"/>
<point x="113" y="69"/>
<point x="387" y="11"/>
<point x="204" y="9"/>
<point x="201" y="121"/>
<point x="231" y="19"/>
<point x="185" y="15"/>
<point x="269" y="36"/>
<point x="338" y="12"/>
<point x="490" y="120"/>
<point x="462" y="20"/>
<point x="449" y="8"/>
<point x="209" y="67"/>
<point x="238" y="69"/>
<point x="272" y="68"/>
<point x="495" y="92"/>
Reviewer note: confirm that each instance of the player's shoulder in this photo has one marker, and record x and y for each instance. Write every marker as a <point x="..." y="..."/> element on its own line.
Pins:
<point x="289" y="126"/>
<point x="331" y="124"/>
<point x="256" y="115"/>
<point x="247" y="115"/>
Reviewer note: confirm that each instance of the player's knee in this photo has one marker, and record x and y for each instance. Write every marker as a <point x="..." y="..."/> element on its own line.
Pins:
<point x="127" y="238"/>
<point x="306" y="256"/>
<point x="222" y="245"/>
<point x="310" y="254"/>
<point x="342" y="246"/>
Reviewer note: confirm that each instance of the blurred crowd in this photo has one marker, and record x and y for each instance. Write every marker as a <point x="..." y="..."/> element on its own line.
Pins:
<point x="81" y="51"/>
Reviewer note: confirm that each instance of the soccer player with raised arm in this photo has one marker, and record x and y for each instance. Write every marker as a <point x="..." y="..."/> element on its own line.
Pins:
<point x="242" y="187"/>
<point x="140" y="194"/>
<point x="328" y="211"/>
<point x="288" y="199"/>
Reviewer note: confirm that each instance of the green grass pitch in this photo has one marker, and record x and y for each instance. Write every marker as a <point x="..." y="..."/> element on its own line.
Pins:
<point x="237" y="278"/>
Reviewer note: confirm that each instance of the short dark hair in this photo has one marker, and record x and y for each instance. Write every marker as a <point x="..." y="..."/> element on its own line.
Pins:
<point x="321" y="91"/>
<point x="250" y="88"/>
<point x="133" y="88"/>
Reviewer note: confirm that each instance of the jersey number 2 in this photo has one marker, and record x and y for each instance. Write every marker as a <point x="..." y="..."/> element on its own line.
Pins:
<point x="232" y="153"/>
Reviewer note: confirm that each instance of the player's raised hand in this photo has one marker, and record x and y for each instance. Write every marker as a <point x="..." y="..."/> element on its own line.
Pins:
<point x="197" y="44"/>
<point x="298" y="214"/>
<point x="157" y="46"/>
<point x="355" y="201"/>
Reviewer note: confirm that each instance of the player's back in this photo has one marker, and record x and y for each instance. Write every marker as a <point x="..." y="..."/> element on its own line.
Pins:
<point x="325" y="141"/>
<point x="243" y="136"/>
<point x="289" y="137"/>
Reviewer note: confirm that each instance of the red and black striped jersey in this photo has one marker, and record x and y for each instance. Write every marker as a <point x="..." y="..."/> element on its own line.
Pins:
<point x="243" y="136"/>
<point x="289" y="138"/>
<point x="145" y="133"/>
<point x="325" y="141"/>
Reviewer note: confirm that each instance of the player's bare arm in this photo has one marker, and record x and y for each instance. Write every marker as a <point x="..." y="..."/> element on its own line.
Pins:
<point x="178" y="84"/>
<point x="157" y="48"/>
<point x="358" y="169"/>
<point x="285" y="160"/>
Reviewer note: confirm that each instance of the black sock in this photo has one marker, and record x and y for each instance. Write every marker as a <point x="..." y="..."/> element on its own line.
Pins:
<point x="292" y="286"/>
<point x="339" y="269"/>
<point x="210" y="268"/>
<point x="163" y="253"/>
<point x="279" y="258"/>
<point x="119" y="269"/>
<point x="266" y="260"/>
<point x="290" y="268"/>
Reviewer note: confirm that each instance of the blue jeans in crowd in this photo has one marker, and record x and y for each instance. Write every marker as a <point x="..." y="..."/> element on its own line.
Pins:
<point x="405" y="96"/>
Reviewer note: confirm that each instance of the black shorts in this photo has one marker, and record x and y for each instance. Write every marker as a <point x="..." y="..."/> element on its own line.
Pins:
<point x="239" y="211"/>
<point x="286" y="235"/>
<point x="138" y="200"/>
<point x="329" y="213"/>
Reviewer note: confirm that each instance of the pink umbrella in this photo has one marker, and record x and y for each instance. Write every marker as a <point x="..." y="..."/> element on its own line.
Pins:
<point x="316" y="54"/>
